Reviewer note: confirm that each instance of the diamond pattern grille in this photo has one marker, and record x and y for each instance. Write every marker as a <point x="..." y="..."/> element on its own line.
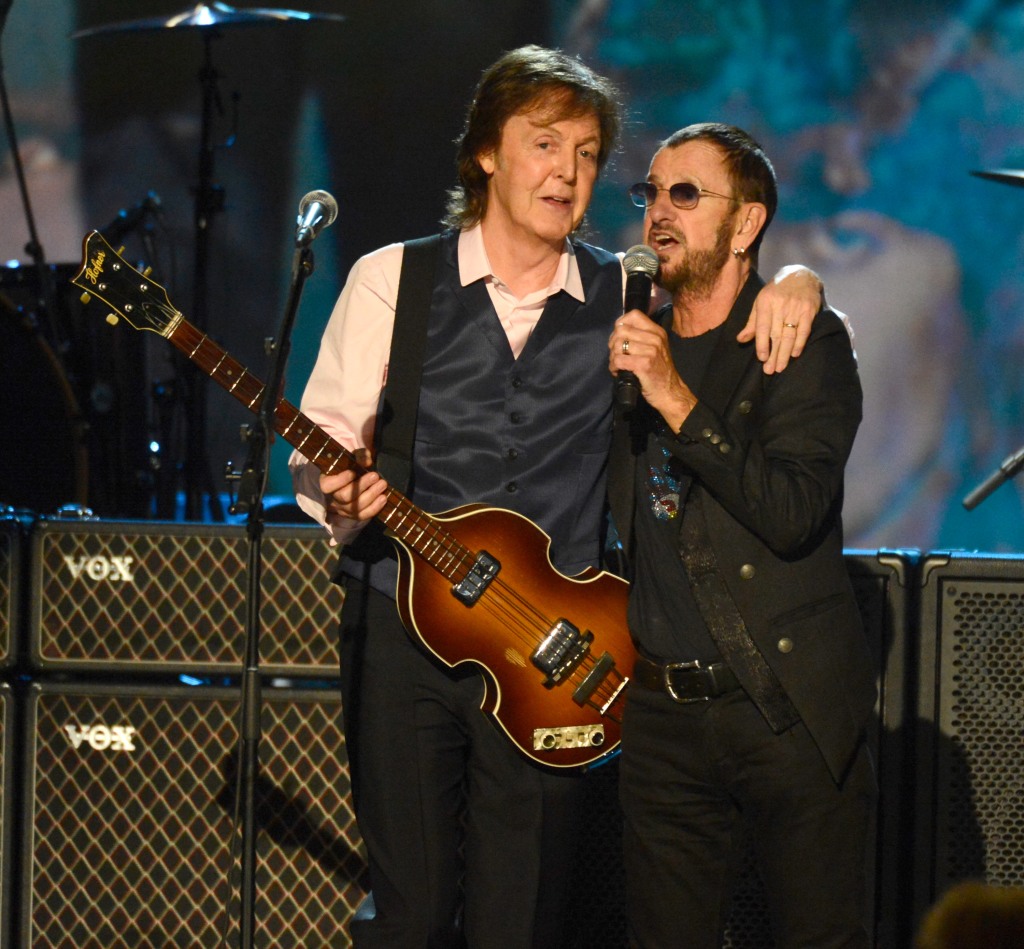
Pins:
<point x="980" y="804"/>
<point x="132" y="847"/>
<point x="10" y="573"/>
<point x="172" y="598"/>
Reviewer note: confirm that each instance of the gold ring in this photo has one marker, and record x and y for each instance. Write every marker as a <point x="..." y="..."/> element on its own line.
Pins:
<point x="790" y="326"/>
<point x="625" y="347"/>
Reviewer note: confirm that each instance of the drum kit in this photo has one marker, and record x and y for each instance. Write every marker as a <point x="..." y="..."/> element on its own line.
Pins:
<point x="55" y="458"/>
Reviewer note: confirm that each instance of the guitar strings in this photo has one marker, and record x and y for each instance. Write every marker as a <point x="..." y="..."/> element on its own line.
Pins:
<point x="448" y="557"/>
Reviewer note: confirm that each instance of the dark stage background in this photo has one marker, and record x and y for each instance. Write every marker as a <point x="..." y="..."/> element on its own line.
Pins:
<point x="875" y="115"/>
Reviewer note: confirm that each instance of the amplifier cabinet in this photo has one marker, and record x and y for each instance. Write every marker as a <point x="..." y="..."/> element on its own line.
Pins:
<point x="970" y="783"/>
<point x="162" y="597"/>
<point x="127" y="836"/>
<point x="13" y="548"/>
<point x="8" y="737"/>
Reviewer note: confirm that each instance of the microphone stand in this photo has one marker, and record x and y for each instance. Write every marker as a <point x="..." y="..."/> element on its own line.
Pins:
<point x="252" y="484"/>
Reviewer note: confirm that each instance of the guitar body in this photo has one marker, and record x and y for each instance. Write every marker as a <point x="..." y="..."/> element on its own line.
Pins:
<point x="500" y="631"/>
<point x="563" y="710"/>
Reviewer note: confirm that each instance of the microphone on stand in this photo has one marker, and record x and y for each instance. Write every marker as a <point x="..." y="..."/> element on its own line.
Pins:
<point x="317" y="210"/>
<point x="128" y="219"/>
<point x="641" y="265"/>
<point x="1010" y="466"/>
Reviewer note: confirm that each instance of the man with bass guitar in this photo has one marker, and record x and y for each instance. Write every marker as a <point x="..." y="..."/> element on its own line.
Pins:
<point x="469" y="841"/>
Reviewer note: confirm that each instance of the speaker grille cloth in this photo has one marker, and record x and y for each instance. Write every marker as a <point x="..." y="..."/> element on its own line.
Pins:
<point x="980" y="802"/>
<point x="168" y="601"/>
<point x="132" y="847"/>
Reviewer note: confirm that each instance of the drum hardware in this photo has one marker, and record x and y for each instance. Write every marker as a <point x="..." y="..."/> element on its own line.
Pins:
<point x="209" y="20"/>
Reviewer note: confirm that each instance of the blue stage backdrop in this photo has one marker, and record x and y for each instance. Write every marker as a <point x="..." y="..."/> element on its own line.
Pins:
<point x="875" y="115"/>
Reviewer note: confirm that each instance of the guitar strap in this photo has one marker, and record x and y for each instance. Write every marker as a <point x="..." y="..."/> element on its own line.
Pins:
<point x="401" y="397"/>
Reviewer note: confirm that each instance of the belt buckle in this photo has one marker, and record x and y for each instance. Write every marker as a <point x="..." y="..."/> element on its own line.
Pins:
<point x="672" y="694"/>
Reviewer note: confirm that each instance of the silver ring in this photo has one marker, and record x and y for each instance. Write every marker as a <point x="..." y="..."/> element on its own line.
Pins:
<point x="625" y="347"/>
<point x="790" y="326"/>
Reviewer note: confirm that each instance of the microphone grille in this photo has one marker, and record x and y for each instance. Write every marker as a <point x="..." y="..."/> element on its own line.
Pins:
<point x="641" y="259"/>
<point x="325" y="200"/>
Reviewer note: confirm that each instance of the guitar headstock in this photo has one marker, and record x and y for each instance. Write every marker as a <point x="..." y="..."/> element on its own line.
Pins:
<point x="129" y="293"/>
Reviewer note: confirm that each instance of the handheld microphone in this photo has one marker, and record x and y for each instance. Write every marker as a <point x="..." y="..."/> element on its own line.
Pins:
<point x="317" y="210"/>
<point x="128" y="219"/>
<point x="641" y="265"/>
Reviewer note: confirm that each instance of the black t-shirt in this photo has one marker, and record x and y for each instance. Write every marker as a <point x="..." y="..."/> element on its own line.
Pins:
<point x="663" y="614"/>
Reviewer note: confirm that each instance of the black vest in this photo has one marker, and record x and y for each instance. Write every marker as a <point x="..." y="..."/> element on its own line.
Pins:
<point x="530" y="434"/>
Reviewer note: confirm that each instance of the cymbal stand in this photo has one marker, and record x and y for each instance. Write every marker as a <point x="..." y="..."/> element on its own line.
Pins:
<point x="209" y="201"/>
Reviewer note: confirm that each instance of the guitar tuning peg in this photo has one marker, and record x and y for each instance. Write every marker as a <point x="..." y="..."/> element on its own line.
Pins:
<point x="120" y="251"/>
<point x="147" y="271"/>
<point x="85" y="298"/>
<point x="112" y="319"/>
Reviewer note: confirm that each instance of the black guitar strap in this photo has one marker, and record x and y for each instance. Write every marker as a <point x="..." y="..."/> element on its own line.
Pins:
<point x="405" y="365"/>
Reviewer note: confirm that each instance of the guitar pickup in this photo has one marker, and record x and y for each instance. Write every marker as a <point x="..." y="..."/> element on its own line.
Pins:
<point x="561" y="651"/>
<point x="485" y="568"/>
<point x="568" y="736"/>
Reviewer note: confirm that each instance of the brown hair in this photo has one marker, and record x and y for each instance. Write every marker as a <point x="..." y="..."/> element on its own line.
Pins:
<point x="521" y="81"/>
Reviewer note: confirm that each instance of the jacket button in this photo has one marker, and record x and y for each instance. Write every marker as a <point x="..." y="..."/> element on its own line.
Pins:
<point x="516" y="417"/>
<point x="715" y="439"/>
<point x="511" y="487"/>
<point x="744" y="407"/>
<point x="725" y="448"/>
<point x="706" y="433"/>
<point x="512" y="454"/>
<point x="517" y="381"/>
<point x="784" y="645"/>
<point x="747" y="571"/>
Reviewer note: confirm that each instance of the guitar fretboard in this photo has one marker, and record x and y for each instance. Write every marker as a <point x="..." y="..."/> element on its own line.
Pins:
<point x="417" y="529"/>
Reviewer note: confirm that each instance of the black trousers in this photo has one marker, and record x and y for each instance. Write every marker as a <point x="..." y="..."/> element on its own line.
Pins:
<point x="691" y="777"/>
<point x="469" y="844"/>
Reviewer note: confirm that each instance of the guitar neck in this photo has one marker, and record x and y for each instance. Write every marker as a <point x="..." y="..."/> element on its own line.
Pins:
<point x="413" y="526"/>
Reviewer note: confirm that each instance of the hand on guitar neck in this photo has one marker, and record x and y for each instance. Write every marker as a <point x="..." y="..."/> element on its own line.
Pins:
<point x="356" y="494"/>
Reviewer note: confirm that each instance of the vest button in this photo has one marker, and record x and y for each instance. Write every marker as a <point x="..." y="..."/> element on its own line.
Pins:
<point x="784" y="645"/>
<point x="745" y="406"/>
<point x="512" y="454"/>
<point x="517" y="381"/>
<point x="511" y="487"/>
<point x="747" y="571"/>
<point x="516" y="417"/>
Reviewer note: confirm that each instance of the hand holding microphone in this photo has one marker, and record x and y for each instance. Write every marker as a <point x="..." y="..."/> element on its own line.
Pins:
<point x="641" y="266"/>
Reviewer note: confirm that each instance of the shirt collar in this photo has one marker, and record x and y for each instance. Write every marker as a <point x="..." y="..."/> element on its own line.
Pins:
<point x="474" y="265"/>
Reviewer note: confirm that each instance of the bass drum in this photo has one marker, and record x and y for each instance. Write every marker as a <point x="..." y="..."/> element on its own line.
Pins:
<point x="43" y="454"/>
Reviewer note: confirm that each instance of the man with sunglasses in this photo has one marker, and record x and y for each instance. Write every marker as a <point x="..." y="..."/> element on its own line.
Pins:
<point x="468" y="843"/>
<point x="750" y="700"/>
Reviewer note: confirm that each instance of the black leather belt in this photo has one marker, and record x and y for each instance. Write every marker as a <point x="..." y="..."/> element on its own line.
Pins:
<point x="686" y="681"/>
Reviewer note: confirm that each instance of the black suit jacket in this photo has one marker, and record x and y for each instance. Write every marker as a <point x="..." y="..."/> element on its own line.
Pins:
<point x="768" y="453"/>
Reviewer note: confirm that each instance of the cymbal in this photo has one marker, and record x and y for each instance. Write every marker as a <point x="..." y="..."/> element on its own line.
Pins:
<point x="208" y="16"/>
<point x="1005" y="175"/>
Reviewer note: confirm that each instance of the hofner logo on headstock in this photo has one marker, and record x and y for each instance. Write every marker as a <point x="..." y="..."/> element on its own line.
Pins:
<point x="95" y="268"/>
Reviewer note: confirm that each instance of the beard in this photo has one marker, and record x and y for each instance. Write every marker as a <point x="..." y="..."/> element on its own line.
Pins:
<point x="695" y="276"/>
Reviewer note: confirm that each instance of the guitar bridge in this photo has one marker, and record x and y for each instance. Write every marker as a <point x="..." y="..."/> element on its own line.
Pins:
<point x="561" y="651"/>
<point x="485" y="568"/>
<point x="568" y="736"/>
